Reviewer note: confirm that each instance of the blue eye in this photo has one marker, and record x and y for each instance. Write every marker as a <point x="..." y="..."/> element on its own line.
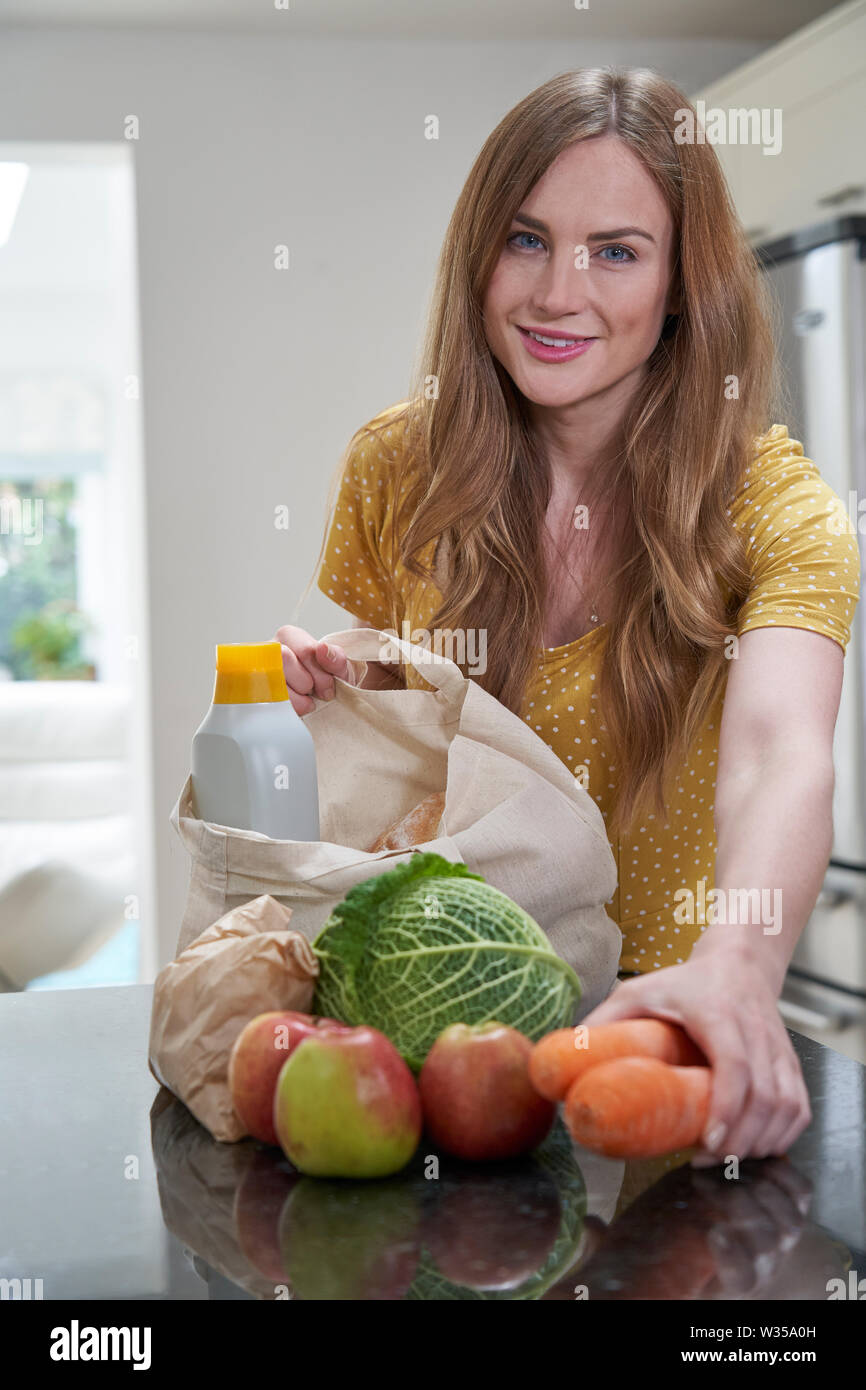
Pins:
<point x="617" y="247"/>
<point x="519" y="234"/>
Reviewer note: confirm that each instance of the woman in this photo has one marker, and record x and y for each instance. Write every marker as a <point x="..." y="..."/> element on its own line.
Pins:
<point x="584" y="474"/>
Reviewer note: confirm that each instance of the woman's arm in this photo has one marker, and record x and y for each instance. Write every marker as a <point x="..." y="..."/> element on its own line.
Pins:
<point x="773" y="814"/>
<point x="774" y="835"/>
<point x="774" y="788"/>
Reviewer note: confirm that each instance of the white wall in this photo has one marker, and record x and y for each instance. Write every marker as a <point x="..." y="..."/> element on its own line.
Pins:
<point x="254" y="379"/>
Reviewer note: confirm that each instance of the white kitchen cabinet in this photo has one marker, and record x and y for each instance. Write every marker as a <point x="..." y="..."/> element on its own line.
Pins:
<point x="817" y="78"/>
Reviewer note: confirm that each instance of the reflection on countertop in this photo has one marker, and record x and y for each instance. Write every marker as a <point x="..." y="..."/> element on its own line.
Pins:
<point x="110" y="1192"/>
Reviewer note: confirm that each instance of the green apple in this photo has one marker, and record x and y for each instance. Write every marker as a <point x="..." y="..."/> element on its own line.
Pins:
<point x="352" y="1240"/>
<point x="346" y="1105"/>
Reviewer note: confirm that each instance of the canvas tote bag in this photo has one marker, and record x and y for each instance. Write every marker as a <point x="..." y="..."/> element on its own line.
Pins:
<point x="513" y="812"/>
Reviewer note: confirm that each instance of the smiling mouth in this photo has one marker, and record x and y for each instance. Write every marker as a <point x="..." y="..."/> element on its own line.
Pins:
<point x="551" y="341"/>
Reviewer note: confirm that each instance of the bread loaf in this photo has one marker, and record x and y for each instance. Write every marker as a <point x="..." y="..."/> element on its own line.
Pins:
<point x="415" y="828"/>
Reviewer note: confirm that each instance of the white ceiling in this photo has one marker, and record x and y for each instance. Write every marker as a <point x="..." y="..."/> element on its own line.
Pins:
<point x="768" y="20"/>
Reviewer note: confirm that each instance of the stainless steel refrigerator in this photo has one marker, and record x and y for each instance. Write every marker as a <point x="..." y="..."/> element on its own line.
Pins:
<point x="819" y="281"/>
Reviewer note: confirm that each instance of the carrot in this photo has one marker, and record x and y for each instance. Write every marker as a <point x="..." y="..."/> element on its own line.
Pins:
<point x="673" y="1222"/>
<point x="558" y="1059"/>
<point x="638" y="1107"/>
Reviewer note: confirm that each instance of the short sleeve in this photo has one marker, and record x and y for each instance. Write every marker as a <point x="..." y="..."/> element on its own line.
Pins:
<point x="353" y="572"/>
<point x="802" y="549"/>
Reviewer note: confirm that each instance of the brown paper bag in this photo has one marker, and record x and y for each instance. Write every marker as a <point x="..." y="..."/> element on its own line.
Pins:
<point x="245" y="964"/>
<point x="513" y="813"/>
<point x="221" y="1201"/>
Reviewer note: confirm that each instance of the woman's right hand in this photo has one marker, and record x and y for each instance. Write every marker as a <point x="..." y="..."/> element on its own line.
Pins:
<point x="310" y="668"/>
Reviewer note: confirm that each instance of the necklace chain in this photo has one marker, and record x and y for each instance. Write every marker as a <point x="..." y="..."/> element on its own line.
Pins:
<point x="593" y="610"/>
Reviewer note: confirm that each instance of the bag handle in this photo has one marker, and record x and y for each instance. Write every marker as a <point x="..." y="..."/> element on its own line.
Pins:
<point x="367" y="644"/>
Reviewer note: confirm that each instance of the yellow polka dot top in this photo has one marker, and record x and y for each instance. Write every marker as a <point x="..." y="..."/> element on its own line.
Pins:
<point x="805" y="565"/>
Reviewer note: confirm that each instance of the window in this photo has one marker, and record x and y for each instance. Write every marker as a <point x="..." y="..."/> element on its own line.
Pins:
<point x="74" y="738"/>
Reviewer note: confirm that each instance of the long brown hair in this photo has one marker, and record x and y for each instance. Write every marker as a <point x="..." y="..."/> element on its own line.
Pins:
<point x="471" y="470"/>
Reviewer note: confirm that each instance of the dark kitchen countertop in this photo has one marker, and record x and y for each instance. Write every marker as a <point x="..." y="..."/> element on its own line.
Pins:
<point x="104" y="1194"/>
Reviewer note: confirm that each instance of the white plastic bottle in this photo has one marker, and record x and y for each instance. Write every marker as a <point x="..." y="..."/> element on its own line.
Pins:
<point x="253" y="760"/>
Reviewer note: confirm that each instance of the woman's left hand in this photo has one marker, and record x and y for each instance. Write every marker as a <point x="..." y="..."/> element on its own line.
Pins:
<point x="759" y="1103"/>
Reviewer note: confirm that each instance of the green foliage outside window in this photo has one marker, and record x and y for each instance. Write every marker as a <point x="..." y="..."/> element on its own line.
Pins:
<point x="40" y="625"/>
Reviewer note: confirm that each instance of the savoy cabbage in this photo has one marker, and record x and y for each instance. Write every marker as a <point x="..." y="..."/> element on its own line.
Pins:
<point x="429" y="943"/>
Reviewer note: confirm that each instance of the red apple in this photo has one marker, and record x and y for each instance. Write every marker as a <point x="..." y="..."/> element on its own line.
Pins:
<point x="260" y="1197"/>
<point x="478" y="1100"/>
<point x="490" y="1229"/>
<point x="347" y="1106"/>
<point x="259" y="1052"/>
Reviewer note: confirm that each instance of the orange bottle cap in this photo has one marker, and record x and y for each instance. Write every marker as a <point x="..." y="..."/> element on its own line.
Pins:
<point x="249" y="673"/>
